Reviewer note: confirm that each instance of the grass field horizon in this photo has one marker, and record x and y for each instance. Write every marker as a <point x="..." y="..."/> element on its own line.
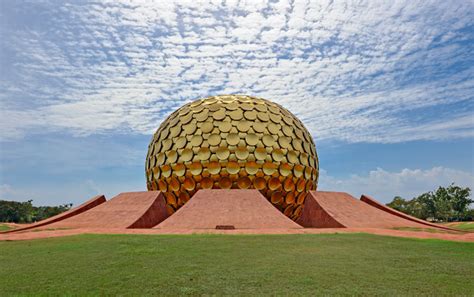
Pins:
<point x="336" y="264"/>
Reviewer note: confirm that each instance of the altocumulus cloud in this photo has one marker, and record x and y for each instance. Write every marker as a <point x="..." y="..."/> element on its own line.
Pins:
<point x="374" y="71"/>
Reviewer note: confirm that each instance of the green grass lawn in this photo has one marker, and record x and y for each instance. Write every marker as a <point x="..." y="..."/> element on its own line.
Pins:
<point x="4" y="227"/>
<point x="466" y="226"/>
<point x="336" y="264"/>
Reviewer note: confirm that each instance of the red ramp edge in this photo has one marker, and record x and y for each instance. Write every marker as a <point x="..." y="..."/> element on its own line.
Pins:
<point x="126" y="210"/>
<point x="315" y="216"/>
<point x="89" y="204"/>
<point x="372" y="202"/>
<point x="239" y="209"/>
<point x="341" y="210"/>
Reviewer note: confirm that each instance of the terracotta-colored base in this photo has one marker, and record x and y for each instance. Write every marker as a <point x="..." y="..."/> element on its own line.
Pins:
<point x="241" y="209"/>
<point x="89" y="204"/>
<point x="341" y="210"/>
<point x="375" y="203"/>
<point x="28" y="235"/>
<point x="231" y="212"/>
<point x="126" y="210"/>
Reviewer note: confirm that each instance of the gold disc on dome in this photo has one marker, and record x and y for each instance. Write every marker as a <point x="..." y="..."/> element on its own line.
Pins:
<point x="207" y="127"/>
<point x="287" y="130"/>
<point x="298" y="170"/>
<point x="243" y="126"/>
<point x="276" y="118"/>
<point x="273" y="128"/>
<point x="269" y="168"/>
<point x="162" y="186"/>
<point x="189" y="183"/>
<point x="202" y="116"/>
<point x="263" y="116"/>
<point x="307" y="172"/>
<point x="246" y="106"/>
<point x="260" y="106"/>
<point x="285" y="142"/>
<point x="268" y="140"/>
<point x="251" y="139"/>
<point x="285" y="169"/>
<point x="222" y="153"/>
<point x="259" y="183"/>
<point x="250" y="115"/>
<point x="300" y="185"/>
<point x="277" y="155"/>
<point x="189" y="128"/>
<point x="214" y="139"/>
<point x="304" y="159"/>
<point x="166" y="144"/>
<point x="171" y="156"/>
<point x="207" y="183"/>
<point x="274" y="183"/>
<point x="174" y="184"/>
<point x="179" y="169"/>
<point x="225" y="182"/>
<point x="288" y="210"/>
<point x="244" y="182"/>
<point x="214" y="167"/>
<point x="260" y="153"/>
<point x="241" y="153"/>
<point x="251" y="167"/>
<point x="289" y="185"/>
<point x="183" y="197"/>
<point x="292" y="157"/>
<point x="196" y="140"/>
<point x="186" y="155"/>
<point x="160" y="159"/>
<point x="236" y="114"/>
<point x="233" y="167"/>
<point x="225" y="126"/>
<point x="174" y="131"/>
<point x="259" y="127"/>
<point x="232" y="105"/>
<point x="204" y="154"/>
<point x="195" y="168"/>
<point x="170" y="198"/>
<point x="290" y="198"/>
<point x="277" y="197"/>
<point x="232" y="138"/>
<point x="219" y="114"/>
<point x="180" y="142"/>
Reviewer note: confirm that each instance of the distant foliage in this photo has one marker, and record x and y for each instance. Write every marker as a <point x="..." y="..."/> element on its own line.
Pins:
<point x="444" y="204"/>
<point x="25" y="212"/>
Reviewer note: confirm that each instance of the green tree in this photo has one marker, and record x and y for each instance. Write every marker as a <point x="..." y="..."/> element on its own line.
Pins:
<point x="445" y="204"/>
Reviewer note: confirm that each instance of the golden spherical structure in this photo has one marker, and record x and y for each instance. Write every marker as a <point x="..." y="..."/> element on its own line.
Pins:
<point x="233" y="142"/>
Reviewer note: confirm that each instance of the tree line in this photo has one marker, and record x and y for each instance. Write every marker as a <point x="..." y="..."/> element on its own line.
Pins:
<point x="25" y="212"/>
<point x="443" y="205"/>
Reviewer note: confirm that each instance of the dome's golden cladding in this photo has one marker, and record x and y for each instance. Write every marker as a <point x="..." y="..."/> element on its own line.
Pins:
<point x="233" y="142"/>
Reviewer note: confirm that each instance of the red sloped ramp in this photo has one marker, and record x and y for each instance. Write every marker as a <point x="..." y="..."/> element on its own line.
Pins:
<point x="372" y="202"/>
<point x="339" y="210"/>
<point x="126" y="210"/>
<point x="89" y="204"/>
<point x="239" y="209"/>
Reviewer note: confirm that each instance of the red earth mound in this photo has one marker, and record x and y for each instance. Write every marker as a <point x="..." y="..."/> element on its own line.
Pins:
<point x="228" y="209"/>
<point x="89" y="204"/>
<point x="341" y="210"/>
<point x="126" y="210"/>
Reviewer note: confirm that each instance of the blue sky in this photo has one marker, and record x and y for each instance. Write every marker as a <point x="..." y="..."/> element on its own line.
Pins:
<point x="385" y="87"/>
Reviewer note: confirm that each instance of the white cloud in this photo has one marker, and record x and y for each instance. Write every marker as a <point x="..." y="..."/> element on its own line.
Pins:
<point x="356" y="72"/>
<point x="408" y="183"/>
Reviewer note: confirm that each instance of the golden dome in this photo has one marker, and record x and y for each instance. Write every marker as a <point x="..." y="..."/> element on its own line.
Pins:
<point x="233" y="142"/>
